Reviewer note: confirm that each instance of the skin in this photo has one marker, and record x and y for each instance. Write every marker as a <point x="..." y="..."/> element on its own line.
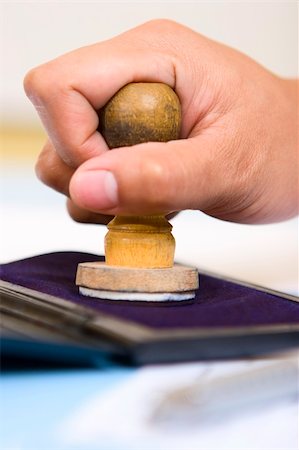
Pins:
<point x="237" y="158"/>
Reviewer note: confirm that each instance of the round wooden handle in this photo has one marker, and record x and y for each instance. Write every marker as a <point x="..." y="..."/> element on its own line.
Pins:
<point x="141" y="112"/>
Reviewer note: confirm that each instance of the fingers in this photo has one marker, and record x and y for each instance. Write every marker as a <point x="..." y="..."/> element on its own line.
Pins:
<point x="52" y="170"/>
<point x="149" y="178"/>
<point x="68" y="90"/>
<point x="84" y="216"/>
<point x="153" y="177"/>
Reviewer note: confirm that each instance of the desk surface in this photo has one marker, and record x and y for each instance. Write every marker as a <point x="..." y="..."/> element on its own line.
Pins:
<point x="107" y="409"/>
<point x="34" y="403"/>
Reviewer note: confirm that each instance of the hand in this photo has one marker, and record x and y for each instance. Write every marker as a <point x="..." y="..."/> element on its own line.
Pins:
<point x="237" y="156"/>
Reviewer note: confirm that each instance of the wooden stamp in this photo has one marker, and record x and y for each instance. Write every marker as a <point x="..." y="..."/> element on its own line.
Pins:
<point x="139" y="250"/>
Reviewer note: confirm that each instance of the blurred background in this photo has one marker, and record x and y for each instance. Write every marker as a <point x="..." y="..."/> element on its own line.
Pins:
<point x="33" y="218"/>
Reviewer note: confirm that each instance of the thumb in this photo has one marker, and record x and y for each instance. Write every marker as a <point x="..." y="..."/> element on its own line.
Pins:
<point x="146" y="178"/>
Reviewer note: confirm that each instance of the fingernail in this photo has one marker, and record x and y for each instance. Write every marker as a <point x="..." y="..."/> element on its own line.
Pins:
<point x="96" y="189"/>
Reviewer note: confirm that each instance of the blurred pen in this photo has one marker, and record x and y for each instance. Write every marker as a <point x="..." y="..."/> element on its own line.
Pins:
<point x="220" y="397"/>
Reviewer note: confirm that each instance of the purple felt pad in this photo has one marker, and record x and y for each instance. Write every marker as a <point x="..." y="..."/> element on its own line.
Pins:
<point x="217" y="302"/>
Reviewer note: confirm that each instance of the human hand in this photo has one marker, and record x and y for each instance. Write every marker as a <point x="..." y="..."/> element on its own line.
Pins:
<point x="237" y="156"/>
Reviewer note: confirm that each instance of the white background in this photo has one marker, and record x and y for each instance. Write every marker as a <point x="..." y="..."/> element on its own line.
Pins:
<point x="33" y="32"/>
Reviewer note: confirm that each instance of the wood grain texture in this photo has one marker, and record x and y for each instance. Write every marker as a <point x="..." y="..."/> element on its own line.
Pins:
<point x="141" y="112"/>
<point x="137" y="113"/>
<point x="97" y="275"/>
<point x="142" y="241"/>
<point x="139" y="250"/>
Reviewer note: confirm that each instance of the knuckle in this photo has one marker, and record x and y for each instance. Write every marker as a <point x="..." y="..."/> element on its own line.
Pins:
<point x="34" y="82"/>
<point x="29" y="81"/>
<point x="38" y="85"/>
<point x="49" y="171"/>
<point x="165" y="24"/>
<point x="42" y="169"/>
